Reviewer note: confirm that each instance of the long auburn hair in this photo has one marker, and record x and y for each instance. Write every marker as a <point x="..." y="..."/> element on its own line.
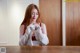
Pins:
<point x="27" y="17"/>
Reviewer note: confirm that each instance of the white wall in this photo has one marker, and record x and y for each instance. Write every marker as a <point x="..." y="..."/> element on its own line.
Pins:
<point x="11" y="15"/>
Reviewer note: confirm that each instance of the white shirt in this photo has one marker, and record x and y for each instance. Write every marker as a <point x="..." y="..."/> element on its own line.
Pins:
<point x="41" y="38"/>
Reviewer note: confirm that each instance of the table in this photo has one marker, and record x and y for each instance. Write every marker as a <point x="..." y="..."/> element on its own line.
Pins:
<point x="42" y="49"/>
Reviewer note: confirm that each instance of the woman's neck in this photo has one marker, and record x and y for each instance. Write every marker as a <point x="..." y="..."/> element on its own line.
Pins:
<point x="33" y="22"/>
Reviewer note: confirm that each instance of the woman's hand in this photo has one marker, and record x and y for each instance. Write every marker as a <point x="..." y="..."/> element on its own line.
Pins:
<point x="37" y="26"/>
<point x="32" y="28"/>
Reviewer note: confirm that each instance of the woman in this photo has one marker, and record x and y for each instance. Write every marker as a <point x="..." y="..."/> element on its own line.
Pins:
<point x="32" y="31"/>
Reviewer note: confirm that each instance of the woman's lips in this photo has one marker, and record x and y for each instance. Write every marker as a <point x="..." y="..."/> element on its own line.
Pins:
<point x="33" y="17"/>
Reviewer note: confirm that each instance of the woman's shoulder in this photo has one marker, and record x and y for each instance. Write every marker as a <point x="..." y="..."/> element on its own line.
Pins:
<point x="22" y="26"/>
<point x="42" y="24"/>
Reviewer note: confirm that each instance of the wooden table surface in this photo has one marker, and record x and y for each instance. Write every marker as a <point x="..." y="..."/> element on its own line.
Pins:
<point x="42" y="49"/>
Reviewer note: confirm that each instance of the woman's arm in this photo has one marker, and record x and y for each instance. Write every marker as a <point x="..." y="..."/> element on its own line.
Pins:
<point x="25" y="39"/>
<point x="42" y="34"/>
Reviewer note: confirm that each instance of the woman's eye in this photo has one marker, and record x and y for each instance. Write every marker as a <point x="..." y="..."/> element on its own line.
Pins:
<point x="36" y="13"/>
<point x="32" y="13"/>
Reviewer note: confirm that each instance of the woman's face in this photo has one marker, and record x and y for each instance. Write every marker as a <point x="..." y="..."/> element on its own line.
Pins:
<point x="34" y="14"/>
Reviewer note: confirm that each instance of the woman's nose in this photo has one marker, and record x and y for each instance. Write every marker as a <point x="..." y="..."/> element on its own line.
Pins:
<point x="34" y="15"/>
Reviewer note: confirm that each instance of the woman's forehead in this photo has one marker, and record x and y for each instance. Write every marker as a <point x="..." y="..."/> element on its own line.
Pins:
<point x="34" y="10"/>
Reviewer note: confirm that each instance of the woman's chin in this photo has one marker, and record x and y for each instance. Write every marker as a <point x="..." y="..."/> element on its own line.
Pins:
<point x="34" y="19"/>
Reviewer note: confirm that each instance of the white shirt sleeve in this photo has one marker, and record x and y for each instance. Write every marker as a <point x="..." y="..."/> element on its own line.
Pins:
<point x="26" y="38"/>
<point x="42" y="36"/>
<point x="23" y="39"/>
